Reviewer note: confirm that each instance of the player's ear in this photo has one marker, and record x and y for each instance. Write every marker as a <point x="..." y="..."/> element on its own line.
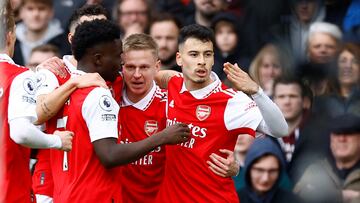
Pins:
<point x="178" y="59"/>
<point x="97" y="59"/>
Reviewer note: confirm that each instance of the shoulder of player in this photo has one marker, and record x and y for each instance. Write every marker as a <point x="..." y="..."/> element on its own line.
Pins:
<point x="233" y="93"/>
<point x="160" y="93"/>
<point x="99" y="95"/>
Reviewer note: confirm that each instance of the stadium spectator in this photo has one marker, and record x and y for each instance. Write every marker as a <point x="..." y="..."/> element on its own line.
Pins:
<point x="335" y="178"/>
<point x="37" y="27"/>
<point x="228" y="43"/>
<point x="264" y="165"/>
<point x="346" y="95"/>
<point x="323" y="46"/>
<point x="294" y="32"/>
<point x="133" y="16"/>
<point x="40" y="54"/>
<point x="270" y="63"/>
<point x="165" y="29"/>
<point x="306" y="141"/>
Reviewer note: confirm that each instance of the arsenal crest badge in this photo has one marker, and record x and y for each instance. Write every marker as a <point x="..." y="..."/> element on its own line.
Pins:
<point x="151" y="127"/>
<point x="203" y="112"/>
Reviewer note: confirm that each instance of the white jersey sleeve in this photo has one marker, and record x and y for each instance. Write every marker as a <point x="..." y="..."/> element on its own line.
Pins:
<point x="100" y="112"/>
<point x="241" y="112"/>
<point x="46" y="81"/>
<point x="22" y="101"/>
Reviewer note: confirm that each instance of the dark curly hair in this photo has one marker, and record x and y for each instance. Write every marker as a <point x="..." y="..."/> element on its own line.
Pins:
<point x="92" y="33"/>
<point x="86" y="10"/>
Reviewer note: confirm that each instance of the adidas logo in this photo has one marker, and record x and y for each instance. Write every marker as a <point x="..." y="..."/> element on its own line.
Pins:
<point x="171" y="104"/>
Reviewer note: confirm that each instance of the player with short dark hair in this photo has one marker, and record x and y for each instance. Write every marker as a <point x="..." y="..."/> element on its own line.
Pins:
<point x="216" y="115"/>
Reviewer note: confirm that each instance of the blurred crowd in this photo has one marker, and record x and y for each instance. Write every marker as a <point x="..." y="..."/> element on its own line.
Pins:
<point x="303" y="53"/>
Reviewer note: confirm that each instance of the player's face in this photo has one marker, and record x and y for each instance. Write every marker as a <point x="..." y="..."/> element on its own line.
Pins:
<point x="264" y="173"/>
<point x="322" y="48"/>
<point x="196" y="59"/>
<point x="165" y="35"/>
<point x="345" y="148"/>
<point x="289" y="100"/>
<point x="36" y="16"/>
<point x="139" y="70"/>
<point x="111" y="60"/>
<point x="349" y="69"/>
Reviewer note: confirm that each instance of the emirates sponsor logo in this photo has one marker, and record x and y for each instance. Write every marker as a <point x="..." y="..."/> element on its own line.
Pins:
<point x="151" y="127"/>
<point x="203" y="112"/>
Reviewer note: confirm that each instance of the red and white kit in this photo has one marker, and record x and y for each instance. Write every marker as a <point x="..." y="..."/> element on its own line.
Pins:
<point x="215" y="115"/>
<point x="17" y="99"/>
<point x="141" y="179"/>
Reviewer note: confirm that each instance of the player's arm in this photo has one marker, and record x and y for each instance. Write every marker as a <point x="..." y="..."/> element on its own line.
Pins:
<point x="100" y="112"/>
<point x="224" y="167"/>
<point x="21" y="113"/>
<point x="162" y="77"/>
<point x="273" y="122"/>
<point x="112" y="154"/>
<point x="51" y="97"/>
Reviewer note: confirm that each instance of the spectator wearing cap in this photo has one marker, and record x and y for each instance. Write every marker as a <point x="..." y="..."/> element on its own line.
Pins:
<point x="337" y="177"/>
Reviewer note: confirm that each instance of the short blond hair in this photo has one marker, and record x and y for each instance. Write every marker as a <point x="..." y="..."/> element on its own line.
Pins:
<point x="140" y="42"/>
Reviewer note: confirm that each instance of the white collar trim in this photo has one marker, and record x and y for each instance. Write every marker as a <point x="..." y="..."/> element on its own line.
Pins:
<point x="144" y="103"/>
<point x="205" y="91"/>
<point x="6" y="58"/>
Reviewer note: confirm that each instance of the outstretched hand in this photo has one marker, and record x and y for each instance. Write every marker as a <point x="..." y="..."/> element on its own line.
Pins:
<point x="240" y="79"/>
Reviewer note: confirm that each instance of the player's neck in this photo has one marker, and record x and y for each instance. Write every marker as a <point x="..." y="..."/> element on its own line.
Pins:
<point x="192" y="86"/>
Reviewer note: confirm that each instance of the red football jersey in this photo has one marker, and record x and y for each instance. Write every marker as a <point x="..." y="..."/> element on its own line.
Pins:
<point x="215" y="115"/>
<point x="92" y="114"/>
<point x="17" y="92"/>
<point x="141" y="179"/>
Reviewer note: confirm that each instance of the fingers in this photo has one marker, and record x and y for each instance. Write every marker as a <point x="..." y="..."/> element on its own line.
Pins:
<point x="220" y="161"/>
<point x="226" y="151"/>
<point x="215" y="169"/>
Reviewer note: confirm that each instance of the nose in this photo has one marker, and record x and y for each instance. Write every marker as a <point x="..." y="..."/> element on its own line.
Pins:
<point x="265" y="177"/>
<point x="137" y="73"/>
<point x="201" y="60"/>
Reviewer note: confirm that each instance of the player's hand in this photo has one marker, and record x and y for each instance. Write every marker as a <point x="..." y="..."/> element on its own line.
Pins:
<point x="240" y="79"/>
<point x="55" y="65"/>
<point x="224" y="167"/>
<point x="88" y="80"/>
<point x="66" y="139"/>
<point x="176" y="134"/>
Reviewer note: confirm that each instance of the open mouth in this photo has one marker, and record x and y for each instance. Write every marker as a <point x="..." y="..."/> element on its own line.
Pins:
<point x="201" y="72"/>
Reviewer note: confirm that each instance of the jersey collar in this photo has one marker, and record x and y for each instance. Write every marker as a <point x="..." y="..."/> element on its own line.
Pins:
<point x="205" y="91"/>
<point x="144" y="103"/>
<point x="6" y="58"/>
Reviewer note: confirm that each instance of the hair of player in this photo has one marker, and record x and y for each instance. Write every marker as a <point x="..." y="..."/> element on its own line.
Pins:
<point x="86" y="10"/>
<point x="92" y="33"/>
<point x="140" y="42"/>
<point x="196" y="31"/>
<point x="7" y="22"/>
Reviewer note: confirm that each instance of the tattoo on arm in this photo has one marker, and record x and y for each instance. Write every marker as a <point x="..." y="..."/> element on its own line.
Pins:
<point x="46" y="109"/>
<point x="164" y="80"/>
